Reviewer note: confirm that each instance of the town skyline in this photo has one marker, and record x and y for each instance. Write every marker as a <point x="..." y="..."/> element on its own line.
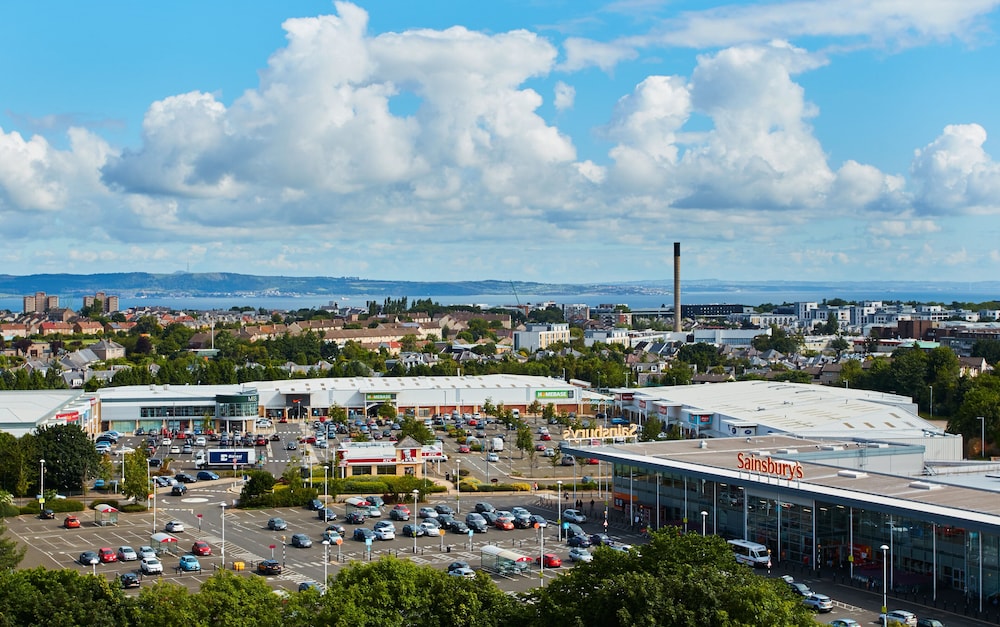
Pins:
<point x="556" y="142"/>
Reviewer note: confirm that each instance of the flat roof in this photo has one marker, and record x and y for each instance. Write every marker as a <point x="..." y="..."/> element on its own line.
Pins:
<point x="800" y="408"/>
<point x="920" y="497"/>
<point x="22" y="411"/>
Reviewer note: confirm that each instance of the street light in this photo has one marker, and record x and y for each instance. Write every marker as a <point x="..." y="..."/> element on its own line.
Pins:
<point x="932" y="401"/>
<point x="326" y="561"/>
<point x="704" y="518"/>
<point x="222" y="547"/>
<point x="559" y="508"/>
<point x="326" y="469"/>
<point x="458" y="484"/>
<point x="41" y="487"/>
<point x="416" y="494"/>
<point x="885" y="607"/>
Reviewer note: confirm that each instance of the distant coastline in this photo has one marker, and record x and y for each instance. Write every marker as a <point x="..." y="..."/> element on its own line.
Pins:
<point x="224" y="291"/>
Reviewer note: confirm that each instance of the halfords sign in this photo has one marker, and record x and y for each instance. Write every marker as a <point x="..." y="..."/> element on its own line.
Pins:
<point x="603" y="433"/>
<point x="768" y="466"/>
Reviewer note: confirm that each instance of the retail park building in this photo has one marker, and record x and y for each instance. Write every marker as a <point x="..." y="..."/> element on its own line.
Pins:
<point x="822" y="476"/>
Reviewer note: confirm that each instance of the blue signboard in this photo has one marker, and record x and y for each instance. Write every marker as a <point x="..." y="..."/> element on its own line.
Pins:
<point x="230" y="456"/>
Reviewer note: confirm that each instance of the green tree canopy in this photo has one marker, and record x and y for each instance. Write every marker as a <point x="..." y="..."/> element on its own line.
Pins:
<point x="70" y="456"/>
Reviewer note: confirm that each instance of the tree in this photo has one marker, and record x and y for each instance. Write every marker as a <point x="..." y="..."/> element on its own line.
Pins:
<point x="62" y="597"/>
<point x="651" y="429"/>
<point x="70" y="456"/>
<point x="11" y="553"/>
<point x="677" y="373"/>
<point x="136" y="469"/>
<point x="386" y="411"/>
<point x="524" y="441"/>
<point x="839" y="344"/>
<point x="415" y="429"/>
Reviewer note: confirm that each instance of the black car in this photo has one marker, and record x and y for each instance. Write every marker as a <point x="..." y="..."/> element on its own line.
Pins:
<point x="441" y="508"/>
<point x="457" y="526"/>
<point x="155" y="462"/>
<point x="579" y="541"/>
<point x="178" y="490"/>
<point x="445" y="521"/>
<point x="47" y="514"/>
<point x="477" y="525"/>
<point x="314" y="505"/>
<point x="183" y="477"/>
<point x="269" y="567"/>
<point x="355" y="518"/>
<point x="483" y="506"/>
<point x="599" y="539"/>
<point x="129" y="580"/>
<point x="489" y="517"/>
<point x="338" y="528"/>
<point x="523" y="521"/>
<point x="207" y="475"/>
<point x="301" y="540"/>
<point x="326" y="514"/>
<point x="457" y="565"/>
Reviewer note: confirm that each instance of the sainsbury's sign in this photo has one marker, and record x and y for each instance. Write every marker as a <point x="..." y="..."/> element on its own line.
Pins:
<point x="768" y="466"/>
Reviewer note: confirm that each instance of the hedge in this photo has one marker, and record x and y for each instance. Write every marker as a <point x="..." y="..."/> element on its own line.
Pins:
<point x="58" y="506"/>
<point x="280" y="497"/>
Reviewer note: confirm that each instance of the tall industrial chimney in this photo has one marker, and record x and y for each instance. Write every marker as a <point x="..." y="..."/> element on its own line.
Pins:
<point x="677" y="287"/>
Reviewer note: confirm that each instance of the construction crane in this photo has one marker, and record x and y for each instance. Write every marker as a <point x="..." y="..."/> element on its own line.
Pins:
<point x="514" y="289"/>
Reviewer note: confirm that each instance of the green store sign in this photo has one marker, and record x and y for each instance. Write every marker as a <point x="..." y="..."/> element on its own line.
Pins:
<point x="380" y="396"/>
<point x="554" y="394"/>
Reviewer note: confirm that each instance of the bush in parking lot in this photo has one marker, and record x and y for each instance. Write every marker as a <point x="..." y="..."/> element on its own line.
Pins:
<point x="111" y="502"/>
<point x="6" y="509"/>
<point x="58" y="506"/>
<point x="133" y="508"/>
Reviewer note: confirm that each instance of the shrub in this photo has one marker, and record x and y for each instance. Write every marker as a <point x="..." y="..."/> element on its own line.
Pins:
<point x="6" y="509"/>
<point x="133" y="508"/>
<point x="58" y="506"/>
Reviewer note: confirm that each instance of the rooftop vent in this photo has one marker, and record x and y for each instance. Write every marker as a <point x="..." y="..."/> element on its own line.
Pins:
<point x="923" y="485"/>
<point x="852" y="474"/>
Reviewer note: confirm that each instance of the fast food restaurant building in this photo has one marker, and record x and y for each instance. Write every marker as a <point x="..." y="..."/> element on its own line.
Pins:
<point x="822" y="476"/>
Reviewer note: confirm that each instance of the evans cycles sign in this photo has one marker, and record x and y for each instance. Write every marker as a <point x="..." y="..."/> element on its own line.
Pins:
<point x="769" y="466"/>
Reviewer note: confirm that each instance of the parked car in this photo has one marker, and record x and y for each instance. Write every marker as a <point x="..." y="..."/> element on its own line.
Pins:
<point x="427" y="512"/>
<point x="151" y="566"/>
<point x="538" y="521"/>
<point x="549" y="560"/>
<point x="819" y="602"/>
<point x="465" y="573"/>
<point x="400" y="512"/>
<point x="183" y="477"/>
<point x="315" y="505"/>
<point x="599" y="539"/>
<point x="899" y="617"/>
<point x="574" y="516"/>
<point x="189" y="563"/>
<point x="207" y="475"/>
<point x="47" y="514"/>
<point x="476" y="522"/>
<point x="174" y="526"/>
<point x="483" y="506"/>
<point x="127" y="554"/>
<point x="129" y="580"/>
<point x="800" y="589"/>
<point x="71" y="522"/>
<point x="146" y="551"/>
<point x="413" y="531"/>
<point x="579" y="554"/>
<point x="504" y="524"/>
<point x="201" y="548"/>
<point x="844" y="622"/>
<point x="457" y="526"/>
<point x="301" y="541"/>
<point x="355" y="518"/>
<point x="269" y="567"/>
<point x="582" y="542"/>
<point x="363" y="533"/>
<point x="88" y="558"/>
<point x="929" y="622"/>
<point x="441" y="508"/>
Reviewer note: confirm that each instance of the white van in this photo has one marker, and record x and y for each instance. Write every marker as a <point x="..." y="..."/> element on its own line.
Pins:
<point x="750" y="553"/>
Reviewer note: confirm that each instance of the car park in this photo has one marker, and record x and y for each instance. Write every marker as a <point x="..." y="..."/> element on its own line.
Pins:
<point x="207" y="475"/>
<point x="819" y="602"/>
<point x="578" y="554"/>
<point x="127" y="554"/>
<point x="129" y="580"/>
<point x="201" y="548"/>
<point x="476" y="522"/>
<point x="301" y="541"/>
<point x="898" y="617"/>
<point x="174" y="526"/>
<point x="89" y="558"/>
<point x="386" y="531"/>
<point x="268" y="567"/>
<point x="151" y="566"/>
<point x="549" y="560"/>
<point x="71" y="522"/>
<point x="277" y="524"/>
<point x="189" y="563"/>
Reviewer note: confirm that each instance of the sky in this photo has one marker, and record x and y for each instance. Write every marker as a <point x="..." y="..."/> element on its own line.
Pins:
<point x="560" y="141"/>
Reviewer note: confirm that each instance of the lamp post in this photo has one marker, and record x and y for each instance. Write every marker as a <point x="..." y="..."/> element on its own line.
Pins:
<point x="222" y="547"/>
<point x="541" y="556"/>
<point x="458" y="485"/>
<point x="932" y="401"/>
<point x="326" y="561"/>
<point x="704" y="519"/>
<point x="326" y="469"/>
<point x="41" y="487"/>
<point x="559" y="509"/>
<point x="982" y="435"/>
<point x="416" y="494"/>
<point x="885" y="607"/>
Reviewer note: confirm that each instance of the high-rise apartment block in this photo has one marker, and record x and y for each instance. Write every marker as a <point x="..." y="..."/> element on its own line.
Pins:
<point x="40" y="302"/>
<point x="109" y="304"/>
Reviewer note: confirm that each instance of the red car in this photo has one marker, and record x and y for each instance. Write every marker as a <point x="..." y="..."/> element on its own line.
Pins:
<point x="473" y="422"/>
<point x="107" y="555"/>
<point x="540" y="447"/>
<point x="309" y="440"/>
<point x="201" y="548"/>
<point x="71" y="522"/>
<point x="549" y="560"/>
<point x="464" y="448"/>
<point x="593" y="461"/>
<point x="504" y="524"/>
<point x="546" y="437"/>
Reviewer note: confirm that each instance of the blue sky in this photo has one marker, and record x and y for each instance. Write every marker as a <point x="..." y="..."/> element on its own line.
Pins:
<point x="561" y="141"/>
